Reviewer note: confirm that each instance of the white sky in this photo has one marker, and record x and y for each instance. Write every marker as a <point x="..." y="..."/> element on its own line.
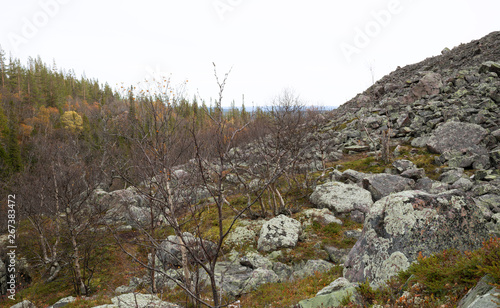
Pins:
<point x="270" y="45"/>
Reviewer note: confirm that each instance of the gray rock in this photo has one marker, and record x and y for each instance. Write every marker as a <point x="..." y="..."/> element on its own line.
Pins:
<point x="279" y="232"/>
<point x="420" y="142"/>
<point x="352" y="175"/>
<point x="402" y="225"/>
<point x="311" y="267"/>
<point x="451" y="176"/>
<point x="428" y="85"/>
<point x="403" y="165"/>
<point x="24" y="304"/>
<point x="283" y="271"/>
<point x="63" y="302"/>
<point x="255" y="260"/>
<point x="414" y="174"/>
<point x="241" y="236"/>
<point x="138" y="300"/>
<point x="169" y="252"/>
<point x="341" y="198"/>
<point x="336" y="255"/>
<point x="323" y="216"/>
<point x="332" y="295"/>
<point x="490" y="66"/>
<point x="483" y="295"/>
<point x="381" y="185"/>
<point x="463" y="184"/>
<point x="455" y="136"/>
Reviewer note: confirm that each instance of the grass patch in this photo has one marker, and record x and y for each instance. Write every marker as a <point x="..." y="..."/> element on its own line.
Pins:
<point x="287" y="294"/>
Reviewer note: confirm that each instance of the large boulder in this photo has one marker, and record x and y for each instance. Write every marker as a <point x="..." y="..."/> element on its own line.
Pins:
<point x="430" y="84"/>
<point x="138" y="300"/>
<point x="455" y="136"/>
<point x="483" y="295"/>
<point x="170" y="254"/>
<point x="311" y="267"/>
<point x="401" y="226"/>
<point x="279" y="232"/>
<point x="381" y="185"/>
<point x="332" y="295"/>
<point x="342" y="198"/>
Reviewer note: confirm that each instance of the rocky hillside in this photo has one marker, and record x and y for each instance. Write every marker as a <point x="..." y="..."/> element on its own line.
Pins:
<point x="404" y="170"/>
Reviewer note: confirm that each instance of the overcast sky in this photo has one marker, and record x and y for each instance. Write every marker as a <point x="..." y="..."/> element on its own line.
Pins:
<point x="326" y="51"/>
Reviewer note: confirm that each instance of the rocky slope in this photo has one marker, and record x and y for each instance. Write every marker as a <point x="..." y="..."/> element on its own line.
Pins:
<point x="446" y="108"/>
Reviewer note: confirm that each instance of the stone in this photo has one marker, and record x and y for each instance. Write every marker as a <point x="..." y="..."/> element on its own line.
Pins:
<point x="341" y="198"/>
<point x="403" y="225"/>
<point x="381" y="185"/>
<point x="403" y="165"/>
<point x="279" y="232"/>
<point x="352" y="175"/>
<point x="283" y="271"/>
<point x="414" y="174"/>
<point x="311" y="267"/>
<point x="420" y="142"/>
<point x="138" y="300"/>
<point x="336" y="255"/>
<point x="241" y="236"/>
<point x="24" y="304"/>
<point x="322" y="216"/>
<point x="489" y="66"/>
<point x="483" y="295"/>
<point x="169" y="251"/>
<point x="255" y="260"/>
<point x="333" y="295"/>
<point x="430" y="84"/>
<point x="451" y="176"/>
<point x="455" y="136"/>
<point x="63" y="302"/>
<point x="463" y="184"/>
<point x="357" y="148"/>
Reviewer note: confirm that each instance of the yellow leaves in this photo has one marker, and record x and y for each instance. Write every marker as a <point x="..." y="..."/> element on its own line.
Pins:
<point x="72" y="120"/>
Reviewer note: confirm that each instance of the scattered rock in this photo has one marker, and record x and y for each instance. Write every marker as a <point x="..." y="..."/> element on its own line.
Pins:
<point x="381" y="185"/>
<point x="483" y="295"/>
<point x="455" y="136"/>
<point x="279" y="232"/>
<point x="341" y="198"/>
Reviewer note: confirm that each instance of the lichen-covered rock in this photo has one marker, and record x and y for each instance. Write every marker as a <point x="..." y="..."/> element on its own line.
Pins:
<point x="483" y="295"/>
<point x="24" y="304"/>
<point x="311" y="267"/>
<point x="402" y="225"/>
<point x="279" y="232"/>
<point x="332" y="295"/>
<point x="255" y="260"/>
<point x="403" y="165"/>
<point x="341" y="198"/>
<point x="170" y="255"/>
<point x="455" y="136"/>
<point x="138" y="300"/>
<point x="241" y="236"/>
<point x="428" y="85"/>
<point x="381" y="185"/>
<point x="323" y="216"/>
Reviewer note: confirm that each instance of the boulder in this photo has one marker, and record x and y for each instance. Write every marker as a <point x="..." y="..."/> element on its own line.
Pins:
<point x="381" y="185"/>
<point x="332" y="295"/>
<point x="241" y="236"/>
<point x="322" y="216"/>
<point x="63" y="302"/>
<point x="24" y="304"/>
<point x="279" y="232"/>
<point x="490" y="66"/>
<point x="352" y="176"/>
<point x="483" y="295"/>
<point x="138" y="300"/>
<point x="401" y="226"/>
<point x="403" y="165"/>
<point x="254" y="260"/>
<point x="311" y="267"/>
<point x="169" y="251"/>
<point x="430" y="84"/>
<point x="455" y="136"/>
<point x="414" y="174"/>
<point x="341" y="198"/>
